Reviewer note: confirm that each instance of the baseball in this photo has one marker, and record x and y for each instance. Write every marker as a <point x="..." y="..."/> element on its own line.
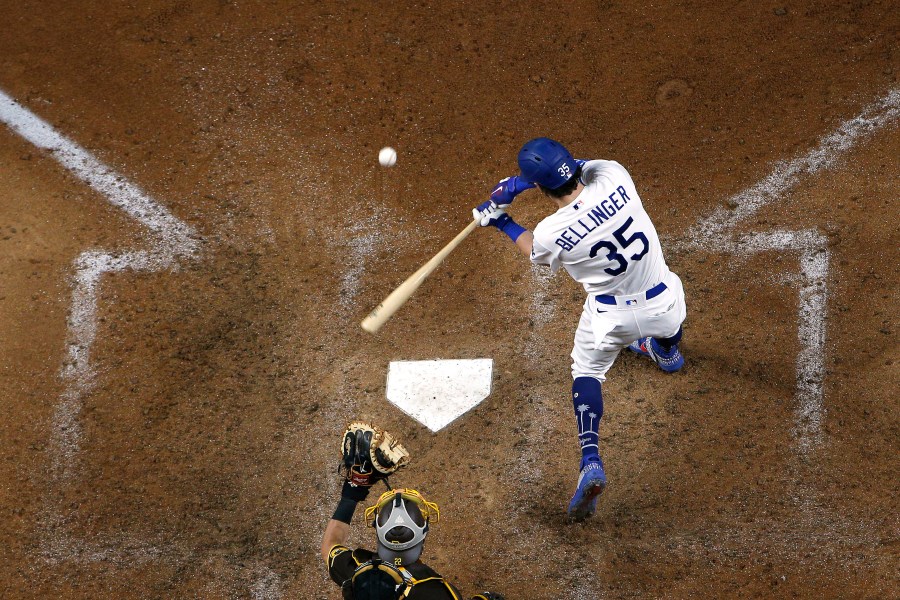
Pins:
<point x="387" y="156"/>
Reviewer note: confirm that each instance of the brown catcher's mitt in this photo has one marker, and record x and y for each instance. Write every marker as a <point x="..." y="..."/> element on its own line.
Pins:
<point x="370" y="453"/>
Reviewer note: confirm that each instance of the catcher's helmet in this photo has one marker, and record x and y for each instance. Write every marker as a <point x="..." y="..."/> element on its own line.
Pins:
<point x="546" y="162"/>
<point x="401" y="520"/>
<point x="376" y="580"/>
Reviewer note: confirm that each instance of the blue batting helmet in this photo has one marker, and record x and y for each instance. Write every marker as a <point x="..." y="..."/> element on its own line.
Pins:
<point x="546" y="162"/>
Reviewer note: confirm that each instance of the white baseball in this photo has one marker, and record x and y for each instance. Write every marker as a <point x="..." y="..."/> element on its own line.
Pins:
<point x="387" y="157"/>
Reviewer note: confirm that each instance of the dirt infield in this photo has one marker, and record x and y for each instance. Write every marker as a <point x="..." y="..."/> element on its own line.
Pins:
<point x="193" y="455"/>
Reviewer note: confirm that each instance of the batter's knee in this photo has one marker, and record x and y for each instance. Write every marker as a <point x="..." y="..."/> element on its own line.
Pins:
<point x="598" y="374"/>
<point x="591" y="364"/>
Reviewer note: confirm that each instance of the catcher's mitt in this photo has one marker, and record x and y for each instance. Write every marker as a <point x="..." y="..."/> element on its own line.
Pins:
<point x="370" y="453"/>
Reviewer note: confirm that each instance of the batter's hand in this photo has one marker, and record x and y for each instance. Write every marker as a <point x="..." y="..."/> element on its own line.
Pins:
<point x="488" y="213"/>
<point x="507" y="189"/>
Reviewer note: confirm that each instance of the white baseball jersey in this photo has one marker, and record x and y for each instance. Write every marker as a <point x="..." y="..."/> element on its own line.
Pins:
<point x="604" y="238"/>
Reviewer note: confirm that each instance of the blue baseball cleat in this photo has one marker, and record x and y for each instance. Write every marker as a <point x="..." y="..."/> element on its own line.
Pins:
<point x="591" y="484"/>
<point x="669" y="361"/>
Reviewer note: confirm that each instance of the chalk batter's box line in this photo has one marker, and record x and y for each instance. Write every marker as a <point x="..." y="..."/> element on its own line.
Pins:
<point x="148" y="212"/>
<point x="716" y="233"/>
<point x="171" y="239"/>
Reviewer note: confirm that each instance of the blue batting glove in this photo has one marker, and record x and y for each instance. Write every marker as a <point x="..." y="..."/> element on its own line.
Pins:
<point x="507" y="190"/>
<point x="580" y="162"/>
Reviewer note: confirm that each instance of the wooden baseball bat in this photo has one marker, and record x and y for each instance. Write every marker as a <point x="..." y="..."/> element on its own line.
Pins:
<point x="399" y="296"/>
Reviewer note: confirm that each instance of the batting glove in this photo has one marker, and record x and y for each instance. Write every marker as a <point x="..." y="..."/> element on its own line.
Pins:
<point x="488" y="213"/>
<point x="507" y="189"/>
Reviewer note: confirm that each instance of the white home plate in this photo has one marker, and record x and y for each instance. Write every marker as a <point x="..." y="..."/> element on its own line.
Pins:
<point x="435" y="392"/>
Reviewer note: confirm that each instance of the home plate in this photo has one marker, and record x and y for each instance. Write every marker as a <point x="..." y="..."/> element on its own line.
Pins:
<point x="435" y="392"/>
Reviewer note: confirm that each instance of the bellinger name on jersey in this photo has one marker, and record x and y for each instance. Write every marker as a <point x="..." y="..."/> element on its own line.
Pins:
<point x="598" y="214"/>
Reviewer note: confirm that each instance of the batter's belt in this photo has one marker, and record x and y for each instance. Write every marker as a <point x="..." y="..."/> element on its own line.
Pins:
<point x="653" y="292"/>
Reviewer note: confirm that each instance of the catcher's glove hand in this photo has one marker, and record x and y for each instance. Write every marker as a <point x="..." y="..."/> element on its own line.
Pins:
<point x="370" y="454"/>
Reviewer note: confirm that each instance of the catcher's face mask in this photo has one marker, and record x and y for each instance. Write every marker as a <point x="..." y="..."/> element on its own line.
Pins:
<point x="401" y="520"/>
<point x="377" y="580"/>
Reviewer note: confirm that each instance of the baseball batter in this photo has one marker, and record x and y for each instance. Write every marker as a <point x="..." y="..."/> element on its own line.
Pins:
<point x="603" y="237"/>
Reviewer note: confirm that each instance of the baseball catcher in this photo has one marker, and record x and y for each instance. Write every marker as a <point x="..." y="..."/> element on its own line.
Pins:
<point x="401" y="519"/>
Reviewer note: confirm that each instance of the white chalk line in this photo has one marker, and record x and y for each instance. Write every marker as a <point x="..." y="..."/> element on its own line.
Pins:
<point x="173" y="234"/>
<point x="708" y="232"/>
<point x="170" y="239"/>
<point x="810" y="367"/>
<point x="715" y="233"/>
<point x="814" y="263"/>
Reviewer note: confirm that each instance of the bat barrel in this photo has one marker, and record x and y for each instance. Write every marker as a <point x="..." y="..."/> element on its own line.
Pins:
<point x="399" y="296"/>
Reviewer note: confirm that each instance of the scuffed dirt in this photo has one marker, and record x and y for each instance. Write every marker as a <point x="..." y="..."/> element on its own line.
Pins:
<point x="208" y="443"/>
